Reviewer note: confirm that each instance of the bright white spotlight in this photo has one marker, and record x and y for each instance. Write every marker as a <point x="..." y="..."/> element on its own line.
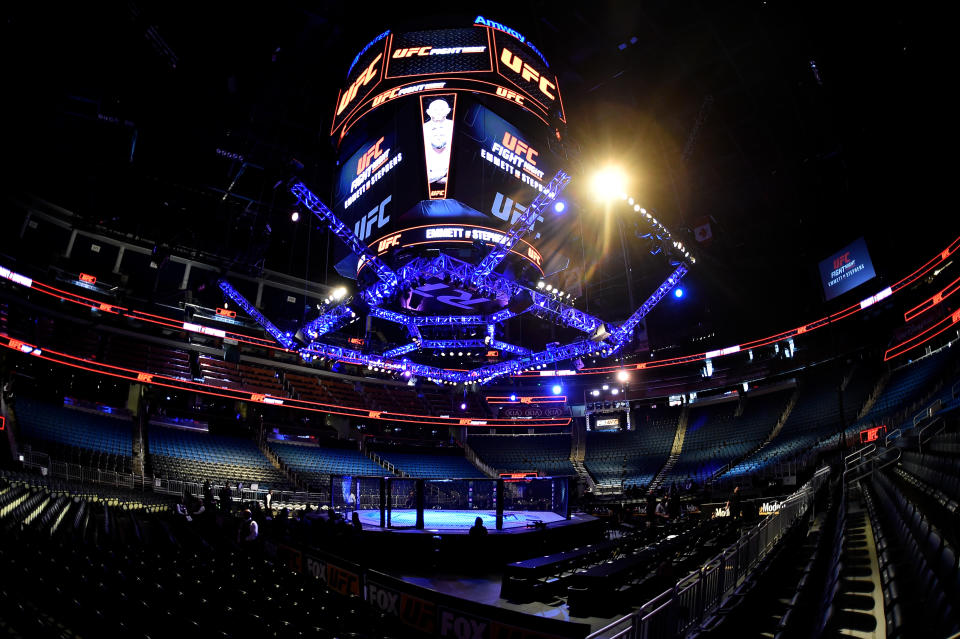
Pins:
<point x="595" y="393"/>
<point x="541" y="284"/>
<point x="615" y="391"/>
<point x="549" y="287"/>
<point x="339" y="293"/>
<point x="623" y="376"/>
<point x="559" y="207"/>
<point x="636" y="207"/>
<point x="295" y="216"/>
<point x="608" y="183"/>
<point x="557" y="389"/>
<point x="606" y="387"/>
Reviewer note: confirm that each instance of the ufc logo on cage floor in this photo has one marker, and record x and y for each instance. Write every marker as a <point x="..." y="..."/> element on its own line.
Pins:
<point x="364" y="227"/>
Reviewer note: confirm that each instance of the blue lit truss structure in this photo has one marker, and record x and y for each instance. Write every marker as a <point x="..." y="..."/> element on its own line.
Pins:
<point x="598" y="337"/>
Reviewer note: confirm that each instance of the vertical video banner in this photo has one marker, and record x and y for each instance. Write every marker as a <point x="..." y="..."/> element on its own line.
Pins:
<point x="437" y="114"/>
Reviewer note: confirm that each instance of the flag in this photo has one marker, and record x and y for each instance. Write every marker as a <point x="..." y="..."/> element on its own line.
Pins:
<point x="702" y="231"/>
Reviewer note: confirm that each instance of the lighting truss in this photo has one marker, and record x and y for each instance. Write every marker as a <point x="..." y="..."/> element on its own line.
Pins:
<point x="328" y="322"/>
<point x="601" y="338"/>
<point x="285" y="340"/>
<point x="519" y="228"/>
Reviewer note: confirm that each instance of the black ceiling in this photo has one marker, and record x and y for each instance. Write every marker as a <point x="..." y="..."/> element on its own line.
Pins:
<point x="794" y="127"/>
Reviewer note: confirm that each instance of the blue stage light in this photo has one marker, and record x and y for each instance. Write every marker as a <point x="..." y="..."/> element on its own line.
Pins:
<point x="678" y="293"/>
<point x="557" y="389"/>
<point x="559" y="206"/>
<point x="463" y="406"/>
<point x="513" y="398"/>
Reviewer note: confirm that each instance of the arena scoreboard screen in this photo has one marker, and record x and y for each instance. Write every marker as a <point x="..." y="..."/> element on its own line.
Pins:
<point x="444" y="137"/>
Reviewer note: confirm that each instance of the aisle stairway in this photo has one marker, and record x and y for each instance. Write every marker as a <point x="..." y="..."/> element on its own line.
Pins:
<point x="675" y="450"/>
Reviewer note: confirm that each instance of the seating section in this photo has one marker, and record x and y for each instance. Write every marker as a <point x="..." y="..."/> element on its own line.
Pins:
<point x="546" y="454"/>
<point x="181" y="454"/>
<point x="905" y="386"/>
<point x="139" y="355"/>
<point x="918" y="560"/>
<point x="317" y="463"/>
<point x="814" y="418"/>
<point x="632" y="458"/>
<point x="76" y="436"/>
<point x="716" y="437"/>
<point x="432" y="465"/>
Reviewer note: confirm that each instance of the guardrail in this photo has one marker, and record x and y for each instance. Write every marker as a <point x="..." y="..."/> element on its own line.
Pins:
<point x="680" y="609"/>
<point x="159" y="485"/>
<point x="920" y="435"/>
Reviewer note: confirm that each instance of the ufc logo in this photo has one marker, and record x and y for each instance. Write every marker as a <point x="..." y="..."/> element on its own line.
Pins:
<point x="407" y="53"/>
<point x="527" y="72"/>
<point x="510" y="95"/>
<point x="393" y="240"/>
<point x="519" y="147"/>
<point x="533" y="255"/>
<point x="364" y="226"/>
<point x="507" y="210"/>
<point x="368" y="156"/>
<point x="840" y="261"/>
<point x="144" y="377"/>
<point x="257" y="397"/>
<point x="362" y="80"/>
<point x="342" y="581"/>
<point x="374" y="414"/>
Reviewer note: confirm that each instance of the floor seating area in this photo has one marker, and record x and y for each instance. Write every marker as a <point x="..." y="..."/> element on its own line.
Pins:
<point x="545" y="454"/>
<point x="431" y="465"/>
<point x="75" y="436"/>
<point x="634" y="457"/>
<point x="181" y="454"/>
<point x="73" y="568"/>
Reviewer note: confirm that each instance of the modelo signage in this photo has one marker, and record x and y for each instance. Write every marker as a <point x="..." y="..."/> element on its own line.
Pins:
<point x="846" y="269"/>
<point x="486" y="57"/>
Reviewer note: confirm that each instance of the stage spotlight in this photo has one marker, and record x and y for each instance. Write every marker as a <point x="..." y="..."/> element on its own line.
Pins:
<point x="559" y="206"/>
<point x="623" y="376"/>
<point x="595" y="393"/>
<point x="513" y="398"/>
<point x="636" y="207"/>
<point x="549" y="287"/>
<point x="339" y="293"/>
<point x="678" y="293"/>
<point x="463" y="406"/>
<point x="460" y="354"/>
<point x="608" y="183"/>
<point x="541" y="284"/>
<point x="615" y="391"/>
<point x="294" y="216"/>
<point x="606" y="387"/>
<point x="557" y="389"/>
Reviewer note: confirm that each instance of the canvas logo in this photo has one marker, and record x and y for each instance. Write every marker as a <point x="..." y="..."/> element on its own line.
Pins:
<point x="463" y="299"/>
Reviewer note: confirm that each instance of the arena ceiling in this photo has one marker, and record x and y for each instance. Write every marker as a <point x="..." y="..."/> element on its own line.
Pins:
<point x="791" y="128"/>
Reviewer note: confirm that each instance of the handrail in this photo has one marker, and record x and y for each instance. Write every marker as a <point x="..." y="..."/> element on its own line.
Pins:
<point x="687" y="604"/>
<point x="943" y="426"/>
<point x="859" y="454"/>
<point x="872" y="462"/>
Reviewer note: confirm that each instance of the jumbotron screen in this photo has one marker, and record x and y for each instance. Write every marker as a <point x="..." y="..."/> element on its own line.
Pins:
<point x="487" y="58"/>
<point x="440" y="161"/>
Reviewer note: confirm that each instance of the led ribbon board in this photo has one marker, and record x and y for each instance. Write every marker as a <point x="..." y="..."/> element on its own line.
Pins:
<point x="487" y="57"/>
